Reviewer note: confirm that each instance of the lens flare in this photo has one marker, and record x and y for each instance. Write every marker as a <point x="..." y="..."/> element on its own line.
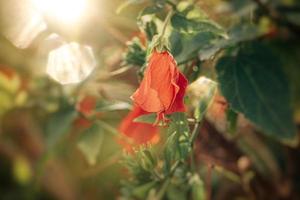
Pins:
<point x="70" y="63"/>
<point x="67" y="11"/>
<point x="20" y="22"/>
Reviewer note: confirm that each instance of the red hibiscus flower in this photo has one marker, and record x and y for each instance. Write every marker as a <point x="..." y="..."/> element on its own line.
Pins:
<point x="137" y="133"/>
<point x="163" y="87"/>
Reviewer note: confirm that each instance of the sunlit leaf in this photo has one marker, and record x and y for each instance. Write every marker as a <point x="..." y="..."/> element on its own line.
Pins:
<point x="182" y="24"/>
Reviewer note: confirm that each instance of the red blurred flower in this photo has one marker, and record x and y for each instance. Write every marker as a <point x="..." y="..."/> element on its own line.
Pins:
<point x="163" y="87"/>
<point x="11" y="74"/>
<point x="87" y="105"/>
<point x="137" y="133"/>
<point x="81" y="122"/>
<point x="8" y="72"/>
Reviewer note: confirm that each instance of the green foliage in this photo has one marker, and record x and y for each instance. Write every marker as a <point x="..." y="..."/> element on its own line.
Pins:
<point x="223" y="148"/>
<point x="59" y="124"/>
<point x="178" y="143"/>
<point x="191" y="19"/>
<point x="198" y="190"/>
<point x="142" y="166"/>
<point x="191" y="45"/>
<point x="254" y="84"/>
<point x="136" y="54"/>
<point x="232" y="118"/>
<point x="237" y="34"/>
<point x="90" y="143"/>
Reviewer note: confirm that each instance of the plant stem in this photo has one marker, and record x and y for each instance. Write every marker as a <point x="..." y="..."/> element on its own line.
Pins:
<point x="166" y="183"/>
<point x="195" y="132"/>
<point x="166" y="22"/>
<point x="163" y="189"/>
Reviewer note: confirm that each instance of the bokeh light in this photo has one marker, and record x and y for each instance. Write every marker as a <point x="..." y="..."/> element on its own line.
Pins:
<point x="70" y="63"/>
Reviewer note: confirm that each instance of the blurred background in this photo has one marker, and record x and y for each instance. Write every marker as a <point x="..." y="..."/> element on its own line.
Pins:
<point x="66" y="64"/>
<point x="45" y="44"/>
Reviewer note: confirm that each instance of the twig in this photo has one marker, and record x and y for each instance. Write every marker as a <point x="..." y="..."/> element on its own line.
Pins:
<point x="208" y="181"/>
<point x="119" y="71"/>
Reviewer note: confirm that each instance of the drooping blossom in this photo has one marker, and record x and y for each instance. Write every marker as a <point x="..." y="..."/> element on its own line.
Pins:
<point x="163" y="87"/>
<point x="137" y="133"/>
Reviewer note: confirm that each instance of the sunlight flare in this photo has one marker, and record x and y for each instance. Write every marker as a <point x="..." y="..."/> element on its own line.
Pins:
<point x="20" y="22"/>
<point x="67" y="11"/>
<point x="70" y="63"/>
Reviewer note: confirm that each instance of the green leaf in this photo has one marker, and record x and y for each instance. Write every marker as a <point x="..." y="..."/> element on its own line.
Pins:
<point x="150" y="29"/>
<point x="198" y="189"/>
<point x="152" y="10"/>
<point x="141" y="192"/>
<point x="90" y="143"/>
<point x="176" y="193"/>
<point x="59" y="124"/>
<point x="136" y="53"/>
<point x="238" y="33"/>
<point x="149" y="118"/>
<point x="191" y="44"/>
<point x="232" y="118"/>
<point x="254" y="84"/>
<point x="175" y="40"/>
<point x="185" y="25"/>
<point x="170" y="152"/>
<point x="178" y="132"/>
<point x="191" y="19"/>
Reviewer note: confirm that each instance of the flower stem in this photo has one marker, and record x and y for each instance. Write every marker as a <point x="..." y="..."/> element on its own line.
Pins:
<point x="195" y="132"/>
<point x="166" y="22"/>
<point x="166" y="183"/>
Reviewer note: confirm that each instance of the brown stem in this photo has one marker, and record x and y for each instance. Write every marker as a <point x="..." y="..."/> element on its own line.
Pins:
<point x="208" y="181"/>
